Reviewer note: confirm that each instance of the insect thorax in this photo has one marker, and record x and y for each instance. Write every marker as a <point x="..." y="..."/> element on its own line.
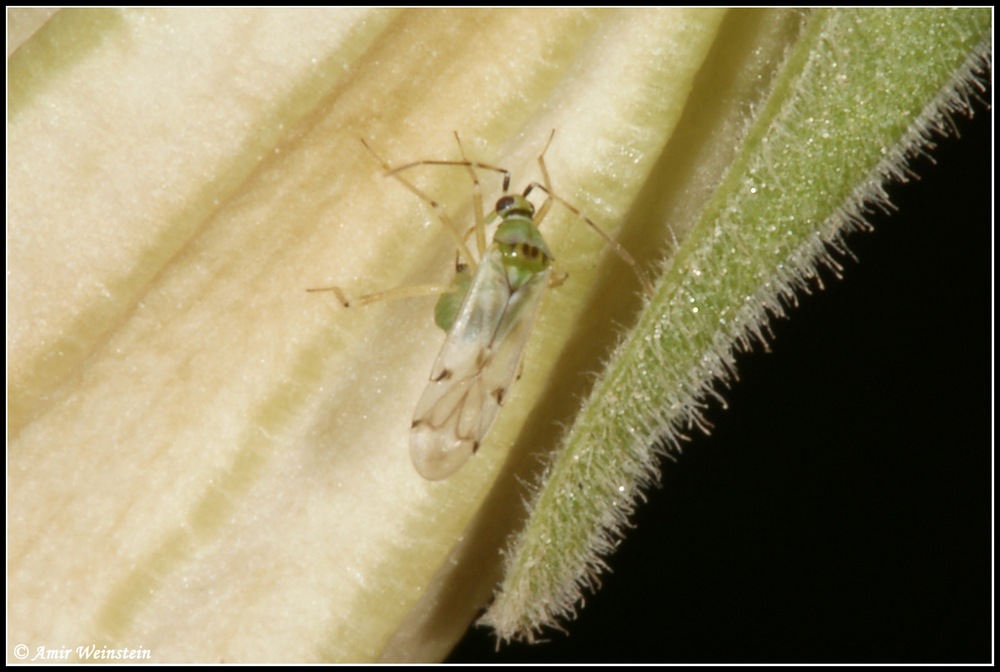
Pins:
<point x="524" y="250"/>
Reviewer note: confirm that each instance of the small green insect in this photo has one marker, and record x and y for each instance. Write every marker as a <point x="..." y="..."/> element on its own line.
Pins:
<point x="488" y="312"/>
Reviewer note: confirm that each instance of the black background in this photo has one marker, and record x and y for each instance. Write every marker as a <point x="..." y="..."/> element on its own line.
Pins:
<point x="841" y="510"/>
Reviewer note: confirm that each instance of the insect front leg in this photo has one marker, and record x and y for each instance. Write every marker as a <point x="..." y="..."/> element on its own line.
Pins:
<point x="477" y="199"/>
<point x="437" y="207"/>
<point x="479" y="226"/>
<point x="546" y="186"/>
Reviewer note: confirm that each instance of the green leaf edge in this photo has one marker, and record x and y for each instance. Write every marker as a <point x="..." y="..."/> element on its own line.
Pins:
<point x="843" y="118"/>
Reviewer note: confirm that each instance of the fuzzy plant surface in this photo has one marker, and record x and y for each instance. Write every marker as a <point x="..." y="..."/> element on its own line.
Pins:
<point x="208" y="463"/>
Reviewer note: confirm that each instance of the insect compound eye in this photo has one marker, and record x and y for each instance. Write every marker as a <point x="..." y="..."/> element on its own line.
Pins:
<point x="514" y="204"/>
<point x="504" y="205"/>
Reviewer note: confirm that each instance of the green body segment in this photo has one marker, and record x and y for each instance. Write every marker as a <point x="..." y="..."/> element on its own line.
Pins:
<point x="522" y="247"/>
<point x="525" y="253"/>
<point x="448" y="304"/>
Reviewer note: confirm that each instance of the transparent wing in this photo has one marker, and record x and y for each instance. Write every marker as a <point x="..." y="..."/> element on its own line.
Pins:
<point x="476" y="366"/>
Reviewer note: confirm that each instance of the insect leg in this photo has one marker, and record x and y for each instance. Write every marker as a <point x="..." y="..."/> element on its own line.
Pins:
<point x="477" y="197"/>
<point x="438" y="208"/>
<point x="389" y="294"/>
<point x="558" y="278"/>
<point x="477" y="200"/>
<point x="546" y="186"/>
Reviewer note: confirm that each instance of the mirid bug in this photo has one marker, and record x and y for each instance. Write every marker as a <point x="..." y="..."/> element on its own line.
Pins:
<point x="488" y="312"/>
